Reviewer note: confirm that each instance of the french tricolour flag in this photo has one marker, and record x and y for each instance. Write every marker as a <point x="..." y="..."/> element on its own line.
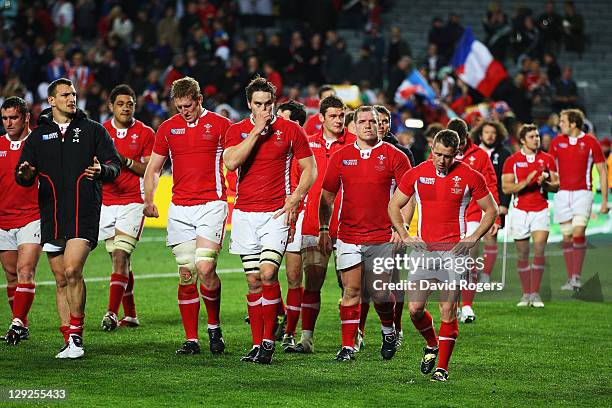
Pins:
<point x="474" y="64"/>
<point x="413" y="84"/>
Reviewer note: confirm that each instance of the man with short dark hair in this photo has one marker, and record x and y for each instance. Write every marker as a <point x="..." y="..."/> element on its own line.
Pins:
<point x="384" y="132"/>
<point x="19" y="221"/>
<point x="442" y="187"/>
<point x="313" y="123"/>
<point x="121" y="218"/>
<point x="72" y="155"/>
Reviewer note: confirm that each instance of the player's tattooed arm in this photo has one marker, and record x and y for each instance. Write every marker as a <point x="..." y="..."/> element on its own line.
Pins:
<point x="151" y="180"/>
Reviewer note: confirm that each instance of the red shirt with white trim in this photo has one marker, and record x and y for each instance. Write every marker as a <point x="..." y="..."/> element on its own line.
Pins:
<point x="575" y="157"/>
<point x="313" y="125"/>
<point x="479" y="160"/>
<point x="368" y="179"/>
<point x="136" y="143"/>
<point x="322" y="150"/>
<point x="19" y="205"/>
<point x="196" y="151"/>
<point x="520" y="165"/>
<point x="264" y="179"/>
<point x="443" y="200"/>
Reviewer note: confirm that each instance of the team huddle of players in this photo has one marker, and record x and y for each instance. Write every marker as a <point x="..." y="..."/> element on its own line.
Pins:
<point x="303" y="198"/>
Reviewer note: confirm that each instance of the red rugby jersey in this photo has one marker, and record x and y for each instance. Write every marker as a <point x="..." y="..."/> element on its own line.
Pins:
<point x="575" y="157"/>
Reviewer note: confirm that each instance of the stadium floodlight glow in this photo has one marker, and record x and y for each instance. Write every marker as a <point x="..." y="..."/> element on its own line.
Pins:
<point x="414" y="123"/>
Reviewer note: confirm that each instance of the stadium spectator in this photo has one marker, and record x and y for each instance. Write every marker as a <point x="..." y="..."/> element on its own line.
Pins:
<point x="397" y="75"/>
<point x="550" y="24"/>
<point x="314" y="61"/>
<point x="529" y="174"/>
<point x="366" y="69"/>
<point x="338" y="63"/>
<point x="197" y="213"/>
<point x="274" y="77"/>
<point x="121" y="216"/>
<point x="398" y="47"/>
<point x="68" y="239"/>
<point x="168" y="28"/>
<point x="553" y="70"/>
<point x="573" y="29"/>
<point x="440" y="234"/>
<point x="269" y="214"/>
<point x="497" y="30"/>
<point x="566" y="91"/>
<point x="20" y="222"/>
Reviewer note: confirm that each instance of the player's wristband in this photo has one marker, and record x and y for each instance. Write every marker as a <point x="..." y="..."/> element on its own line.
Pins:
<point x="324" y="228"/>
<point x="128" y="163"/>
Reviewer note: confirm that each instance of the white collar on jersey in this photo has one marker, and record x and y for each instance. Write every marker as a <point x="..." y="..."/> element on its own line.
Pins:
<point x="530" y="157"/>
<point x="16" y="144"/>
<point x="252" y="119"/>
<point x="194" y="124"/>
<point x="366" y="153"/>
<point x="574" y="140"/>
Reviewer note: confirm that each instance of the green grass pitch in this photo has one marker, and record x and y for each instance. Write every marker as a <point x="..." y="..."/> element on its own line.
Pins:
<point x="556" y="356"/>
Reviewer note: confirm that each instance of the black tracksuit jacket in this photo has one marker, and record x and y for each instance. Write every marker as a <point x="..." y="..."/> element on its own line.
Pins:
<point x="69" y="202"/>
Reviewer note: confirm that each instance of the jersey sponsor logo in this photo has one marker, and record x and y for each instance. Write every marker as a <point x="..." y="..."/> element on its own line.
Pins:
<point x="50" y="136"/>
<point x="456" y="189"/>
<point x="244" y="135"/>
<point x="3" y="153"/>
<point x="177" y="131"/>
<point x="427" y="180"/>
<point x="315" y="145"/>
<point x="15" y="145"/>
<point x="562" y="145"/>
<point x="349" y="162"/>
<point x="521" y="164"/>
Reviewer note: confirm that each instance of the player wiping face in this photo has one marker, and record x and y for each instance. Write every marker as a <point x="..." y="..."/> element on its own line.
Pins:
<point x="261" y="106"/>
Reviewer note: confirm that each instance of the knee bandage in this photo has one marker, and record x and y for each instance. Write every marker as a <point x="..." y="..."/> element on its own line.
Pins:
<point x="566" y="229"/>
<point x="125" y="243"/>
<point x="580" y="220"/>
<point x="110" y="245"/>
<point x="184" y="254"/>
<point x="271" y="256"/>
<point x="206" y="254"/>
<point x="250" y="263"/>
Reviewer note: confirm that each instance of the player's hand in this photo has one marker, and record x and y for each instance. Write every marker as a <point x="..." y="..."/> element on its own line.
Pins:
<point x="262" y="121"/>
<point x="415" y="243"/>
<point x="291" y="235"/>
<point x="150" y="210"/>
<point x="93" y="171"/>
<point x="397" y="241"/>
<point x="26" y="171"/>
<point x="543" y="177"/>
<point x="503" y="210"/>
<point x="325" y="244"/>
<point x="290" y="209"/>
<point x="604" y="208"/>
<point x="463" y="247"/>
<point x="494" y="228"/>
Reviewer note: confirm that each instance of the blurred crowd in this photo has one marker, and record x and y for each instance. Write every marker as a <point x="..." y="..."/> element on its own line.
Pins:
<point x="224" y="44"/>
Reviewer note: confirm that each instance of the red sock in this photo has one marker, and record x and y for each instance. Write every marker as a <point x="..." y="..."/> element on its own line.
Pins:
<point x="467" y="296"/>
<point x="212" y="301"/>
<point x="349" y="317"/>
<point x="129" y="307"/>
<point x="537" y="270"/>
<point x="10" y="293"/>
<point x="282" y="310"/>
<point x="490" y="256"/>
<point x="397" y="319"/>
<point x="76" y="325"/>
<point x="311" y="303"/>
<point x="24" y="296"/>
<point x="363" y="316"/>
<point x="522" y="267"/>
<point x="425" y="326"/>
<point x="568" y="254"/>
<point x="189" y="306"/>
<point x="118" y="285"/>
<point x="271" y="297"/>
<point x="65" y="330"/>
<point x="294" y="302"/>
<point x="386" y="313"/>
<point x="448" y="336"/>
<point x="255" y="317"/>
<point x="579" y="254"/>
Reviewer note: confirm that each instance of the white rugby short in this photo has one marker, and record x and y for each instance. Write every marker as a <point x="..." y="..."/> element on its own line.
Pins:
<point x="254" y="231"/>
<point x="523" y="223"/>
<point x="296" y="245"/>
<point x="471" y="227"/>
<point x="28" y="234"/>
<point x="349" y="255"/>
<point x="126" y="218"/>
<point x="442" y="266"/>
<point x="57" y="245"/>
<point x="567" y="203"/>
<point x="204" y="220"/>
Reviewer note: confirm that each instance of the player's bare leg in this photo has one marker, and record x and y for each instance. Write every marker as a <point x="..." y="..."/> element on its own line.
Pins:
<point x="537" y="267"/>
<point x="423" y="322"/>
<point x="120" y="248"/>
<point x="9" y="265"/>
<point x="188" y="296"/>
<point x="447" y="335"/>
<point x="295" y="293"/>
<point x="315" y="270"/>
<point x="56" y="263"/>
<point x="349" y="310"/>
<point x="206" y="256"/>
